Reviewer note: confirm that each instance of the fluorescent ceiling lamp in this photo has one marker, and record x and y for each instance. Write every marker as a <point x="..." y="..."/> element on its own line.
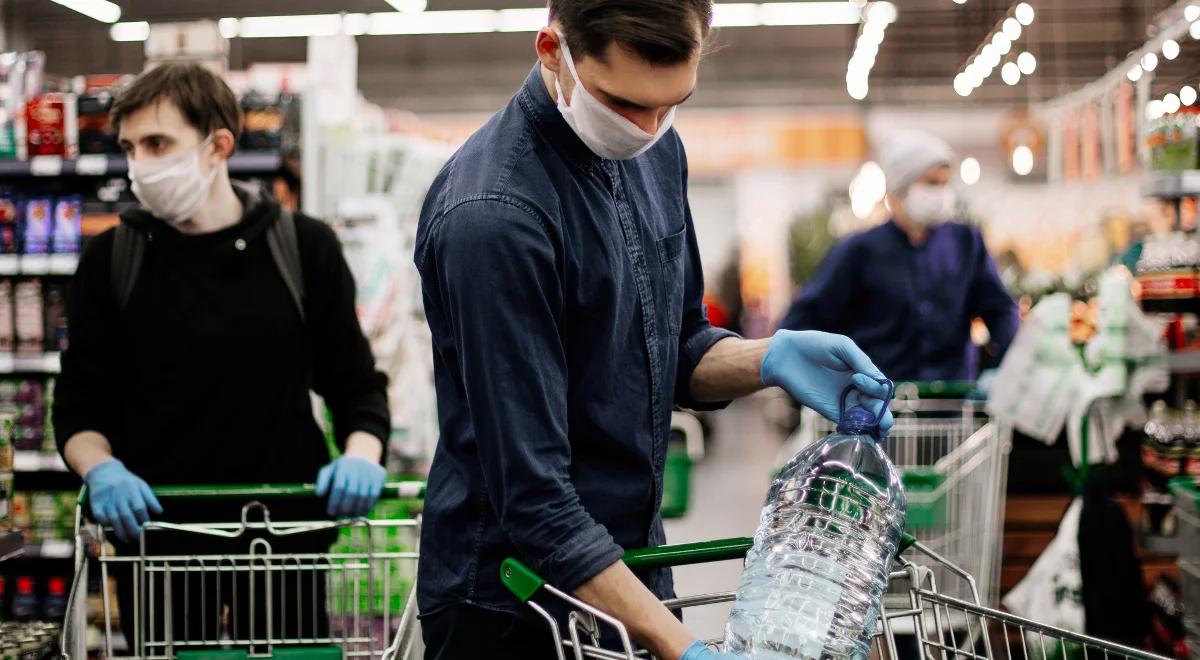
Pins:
<point x="133" y="31"/>
<point x="459" y="21"/>
<point x="735" y="14"/>
<point x="355" y="24"/>
<point x="408" y="6"/>
<point x="101" y="10"/>
<point x="310" y="25"/>
<point x="229" y="27"/>
<point x="522" y="20"/>
<point x="809" y="13"/>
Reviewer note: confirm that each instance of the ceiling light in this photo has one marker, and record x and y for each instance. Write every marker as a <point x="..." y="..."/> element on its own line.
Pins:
<point x="1010" y="74"/>
<point x="960" y="2"/>
<point x="228" y="27"/>
<point x="408" y="6"/>
<point x="522" y="20"/>
<point x="1194" y="30"/>
<point x="304" y="25"/>
<point x="1022" y="160"/>
<point x="455" y="21"/>
<point x="809" y="13"/>
<point x="1187" y="95"/>
<point x="974" y="76"/>
<point x="1171" y="103"/>
<point x="1027" y="63"/>
<point x="969" y="171"/>
<point x="1149" y="61"/>
<point x="133" y="31"/>
<point x="734" y="14"/>
<point x="962" y="86"/>
<point x="1191" y="12"/>
<point x="867" y="189"/>
<point x="101" y="10"/>
<point x="1002" y="43"/>
<point x="1024" y="13"/>
<point x="858" y="88"/>
<point x="1012" y="28"/>
<point x="881" y="10"/>
<point x="1135" y="73"/>
<point x="1170" y="49"/>
<point x="989" y="56"/>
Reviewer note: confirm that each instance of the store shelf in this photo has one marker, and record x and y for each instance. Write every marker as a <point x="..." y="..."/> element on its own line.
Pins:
<point x="1171" y="185"/>
<point x="43" y="363"/>
<point x="250" y="162"/>
<point x="38" y="264"/>
<point x="11" y="544"/>
<point x="50" y="550"/>
<point x="1184" y="363"/>
<point x="37" y="461"/>
<point x="1161" y="545"/>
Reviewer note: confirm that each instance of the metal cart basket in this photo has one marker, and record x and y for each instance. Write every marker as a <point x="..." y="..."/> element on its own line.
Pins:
<point x="953" y="461"/>
<point x="917" y="614"/>
<point x="272" y="589"/>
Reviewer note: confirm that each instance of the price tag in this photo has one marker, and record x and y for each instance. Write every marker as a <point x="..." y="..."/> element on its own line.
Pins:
<point x="57" y="549"/>
<point x="92" y="165"/>
<point x="52" y="363"/>
<point x="7" y="363"/>
<point x="64" y="264"/>
<point x="35" y="264"/>
<point x="45" y="165"/>
<point x="10" y="264"/>
<point x="27" y="461"/>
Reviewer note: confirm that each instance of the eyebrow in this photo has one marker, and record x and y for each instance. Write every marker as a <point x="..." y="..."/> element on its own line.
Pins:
<point x="145" y="138"/>
<point x="626" y="103"/>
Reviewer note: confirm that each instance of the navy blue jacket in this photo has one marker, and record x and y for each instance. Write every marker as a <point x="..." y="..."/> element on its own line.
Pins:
<point x="909" y="306"/>
<point x="563" y="293"/>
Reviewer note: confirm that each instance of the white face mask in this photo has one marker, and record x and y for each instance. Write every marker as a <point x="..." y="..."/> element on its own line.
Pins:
<point x="604" y="131"/>
<point x="928" y="205"/>
<point x="172" y="187"/>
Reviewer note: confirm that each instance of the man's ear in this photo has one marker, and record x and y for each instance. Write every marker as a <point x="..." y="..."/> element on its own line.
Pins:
<point x="224" y="143"/>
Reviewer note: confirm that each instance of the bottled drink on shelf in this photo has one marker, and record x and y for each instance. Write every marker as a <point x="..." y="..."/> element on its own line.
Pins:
<point x="829" y="531"/>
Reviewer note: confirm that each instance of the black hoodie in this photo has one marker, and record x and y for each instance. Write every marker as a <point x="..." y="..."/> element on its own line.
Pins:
<point x="205" y="376"/>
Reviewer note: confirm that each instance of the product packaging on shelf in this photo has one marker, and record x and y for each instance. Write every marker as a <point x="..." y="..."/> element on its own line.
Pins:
<point x="29" y="316"/>
<point x="9" y="224"/>
<point x="95" y="132"/>
<point x="50" y="126"/>
<point x="68" y="216"/>
<point x="38" y="221"/>
<point x="56" y="316"/>
<point x="7" y="327"/>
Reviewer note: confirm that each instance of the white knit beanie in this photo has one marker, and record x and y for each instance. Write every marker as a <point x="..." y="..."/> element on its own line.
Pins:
<point x="907" y="156"/>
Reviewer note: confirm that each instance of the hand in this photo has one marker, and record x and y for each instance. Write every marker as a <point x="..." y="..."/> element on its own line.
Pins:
<point x="700" y="651"/>
<point x="814" y="367"/>
<point x="983" y="385"/>
<point x="120" y="499"/>
<point x="353" y="484"/>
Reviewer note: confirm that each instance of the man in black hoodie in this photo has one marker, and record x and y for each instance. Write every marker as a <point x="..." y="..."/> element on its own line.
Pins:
<point x="198" y="368"/>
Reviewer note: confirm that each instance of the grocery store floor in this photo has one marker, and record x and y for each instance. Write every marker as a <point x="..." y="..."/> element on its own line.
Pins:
<point x="728" y="488"/>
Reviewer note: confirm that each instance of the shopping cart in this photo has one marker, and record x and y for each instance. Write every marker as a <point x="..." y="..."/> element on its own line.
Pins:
<point x="918" y="618"/>
<point x="250" y="600"/>
<point x="953" y="461"/>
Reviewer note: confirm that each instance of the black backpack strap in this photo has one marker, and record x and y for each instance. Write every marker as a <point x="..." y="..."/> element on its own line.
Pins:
<point x="129" y="248"/>
<point x="285" y="250"/>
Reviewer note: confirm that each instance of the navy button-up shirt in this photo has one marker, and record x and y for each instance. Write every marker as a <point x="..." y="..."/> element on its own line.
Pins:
<point x="909" y="306"/>
<point x="563" y="293"/>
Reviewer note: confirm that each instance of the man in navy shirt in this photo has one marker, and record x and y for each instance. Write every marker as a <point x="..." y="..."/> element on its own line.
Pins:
<point x="908" y="290"/>
<point x="563" y="288"/>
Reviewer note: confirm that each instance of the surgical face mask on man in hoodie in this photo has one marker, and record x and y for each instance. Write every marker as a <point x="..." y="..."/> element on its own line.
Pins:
<point x="927" y="202"/>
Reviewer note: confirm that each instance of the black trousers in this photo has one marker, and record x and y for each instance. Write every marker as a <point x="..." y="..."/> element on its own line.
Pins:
<point x="466" y="632"/>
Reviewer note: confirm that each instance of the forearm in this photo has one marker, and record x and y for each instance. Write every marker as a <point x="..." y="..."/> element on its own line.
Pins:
<point x="85" y="451"/>
<point x="729" y="370"/>
<point x="618" y="592"/>
<point x="364" y="445"/>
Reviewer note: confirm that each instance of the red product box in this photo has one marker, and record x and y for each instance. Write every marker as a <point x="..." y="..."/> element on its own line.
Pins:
<point x="51" y="128"/>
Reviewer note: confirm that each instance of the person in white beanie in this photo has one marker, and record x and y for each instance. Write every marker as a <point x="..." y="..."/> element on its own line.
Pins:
<point x="907" y="291"/>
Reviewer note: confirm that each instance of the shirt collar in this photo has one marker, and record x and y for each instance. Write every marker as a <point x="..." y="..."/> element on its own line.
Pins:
<point x="544" y="115"/>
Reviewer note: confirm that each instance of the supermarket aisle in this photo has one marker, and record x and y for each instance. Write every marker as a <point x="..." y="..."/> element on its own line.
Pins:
<point x="727" y="496"/>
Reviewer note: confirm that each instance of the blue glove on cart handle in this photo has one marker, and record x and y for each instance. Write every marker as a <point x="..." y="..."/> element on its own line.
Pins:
<point x="353" y="484"/>
<point x="815" y="367"/>
<point x="120" y="499"/>
<point x="700" y="651"/>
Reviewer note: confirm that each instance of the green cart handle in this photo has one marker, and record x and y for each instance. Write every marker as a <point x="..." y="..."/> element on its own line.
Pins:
<point x="394" y="490"/>
<point x="525" y="583"/>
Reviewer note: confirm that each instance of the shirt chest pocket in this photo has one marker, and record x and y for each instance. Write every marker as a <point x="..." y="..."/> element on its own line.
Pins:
<point x="670" y="259"/>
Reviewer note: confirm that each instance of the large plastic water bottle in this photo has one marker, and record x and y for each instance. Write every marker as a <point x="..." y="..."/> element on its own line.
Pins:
<point x="819" y="566"/>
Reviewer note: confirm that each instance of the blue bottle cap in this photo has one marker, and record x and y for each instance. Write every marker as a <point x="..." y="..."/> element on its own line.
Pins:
<point x="858" y="421"/>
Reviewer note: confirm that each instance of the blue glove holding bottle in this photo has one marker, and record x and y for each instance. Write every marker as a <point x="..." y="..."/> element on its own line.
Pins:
<point x="815" y="367"/>
<point x="353" y="485"/>
<point x="120" y="499"/>
<point x="700" y="651"/>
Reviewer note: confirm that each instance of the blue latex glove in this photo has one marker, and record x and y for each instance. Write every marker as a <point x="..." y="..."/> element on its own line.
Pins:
<point x="120" y="499"/>
<point x="699" y="651"/>
<point x="353" y="485"/>
<point x="983" y="384"/>
<point x="814" y="367"/>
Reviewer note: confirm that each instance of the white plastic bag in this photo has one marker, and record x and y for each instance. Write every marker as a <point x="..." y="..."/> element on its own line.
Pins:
<point x="1052" y="592"/>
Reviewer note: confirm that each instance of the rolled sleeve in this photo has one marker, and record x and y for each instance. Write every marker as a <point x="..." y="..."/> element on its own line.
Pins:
<point x="500" y="288"/>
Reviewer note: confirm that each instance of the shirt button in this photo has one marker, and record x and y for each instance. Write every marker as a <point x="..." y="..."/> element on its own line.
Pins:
<point x="240" y="244"/>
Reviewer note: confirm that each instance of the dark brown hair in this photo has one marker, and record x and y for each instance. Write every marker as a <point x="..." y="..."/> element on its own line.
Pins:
<point x="660" y="31"/>
<point x="204" y="99"/>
